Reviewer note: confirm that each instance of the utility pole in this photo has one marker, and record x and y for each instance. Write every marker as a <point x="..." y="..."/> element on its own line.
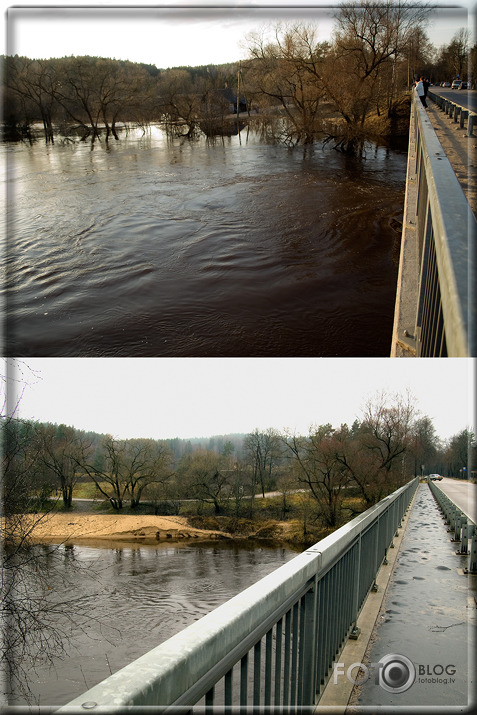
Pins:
<point x="238" y="90"/>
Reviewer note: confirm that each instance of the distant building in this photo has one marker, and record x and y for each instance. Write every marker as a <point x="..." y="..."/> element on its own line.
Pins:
<point x="230" y="95"/>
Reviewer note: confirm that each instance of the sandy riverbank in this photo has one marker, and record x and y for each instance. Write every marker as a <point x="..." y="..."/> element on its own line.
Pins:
<point x="117" y="527"/>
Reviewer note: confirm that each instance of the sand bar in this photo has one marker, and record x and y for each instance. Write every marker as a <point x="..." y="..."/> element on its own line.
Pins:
<point x="122" y="527"/>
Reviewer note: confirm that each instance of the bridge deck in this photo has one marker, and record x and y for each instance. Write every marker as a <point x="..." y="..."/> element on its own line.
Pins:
<point x="428" y="615"/>
<point x="460" y="149"/>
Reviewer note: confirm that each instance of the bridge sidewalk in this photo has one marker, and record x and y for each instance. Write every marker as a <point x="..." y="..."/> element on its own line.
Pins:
<point x="460" y="149"/>
<point x="428" y="614"/>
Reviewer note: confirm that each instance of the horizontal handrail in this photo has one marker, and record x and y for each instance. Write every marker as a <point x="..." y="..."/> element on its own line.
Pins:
<point x="292" y="624"/>
<point x="457" y="112"/>
<point x="464" y="528"/>
<point x="442" y="275"/>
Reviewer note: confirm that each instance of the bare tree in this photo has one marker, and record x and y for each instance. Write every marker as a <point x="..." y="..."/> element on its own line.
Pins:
<point x="147" y="462"/>
<point x="424" y="444"/>
<point x="63" y="449"/>
<point x="107" y="473"/>
<point x="206" y="476"/>
<point x="370" y="41"/>
<point x="33" y="81"/>
<point x="461" y="454"/>
<point x="285" y="68"/>
<point x="180" y="101"/>
<point x="318" y="467"/>
<point x="459" y="51"/>
<point x="124" y="468"/>
<point x="263" y="452"/>
<point x="30" y="614"/>
<point x="373" y="451"/>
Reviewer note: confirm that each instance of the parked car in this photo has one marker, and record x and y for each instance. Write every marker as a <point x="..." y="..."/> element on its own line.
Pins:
<point x="463" y="85"/>
<point x="445" y="84"/>
<point x="435" y="477"/>
<point x="456" y="84"/>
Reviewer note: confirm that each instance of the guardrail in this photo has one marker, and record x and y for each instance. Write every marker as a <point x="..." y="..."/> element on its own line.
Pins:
<point x="457" y="112"/>
<point x="274" y="644"/>
<point x="435" y="302"/>
<point x="464" y="528"/>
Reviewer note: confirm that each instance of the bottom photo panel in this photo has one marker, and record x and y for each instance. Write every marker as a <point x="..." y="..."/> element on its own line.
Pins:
<point x="243" y="535"/>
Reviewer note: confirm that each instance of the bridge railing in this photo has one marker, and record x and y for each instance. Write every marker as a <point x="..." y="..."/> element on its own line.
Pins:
<point x="273" y="645"/>
<point x="465" y="117"/>
<point x="437" y="265"/>
<point x="460" y="524"/>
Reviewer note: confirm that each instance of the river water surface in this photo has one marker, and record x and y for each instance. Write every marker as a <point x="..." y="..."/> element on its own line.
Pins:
<point x="237" y="247"/>
<point x="126" y="600"/>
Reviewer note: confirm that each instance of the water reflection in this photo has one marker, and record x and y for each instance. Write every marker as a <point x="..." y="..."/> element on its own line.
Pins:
<point x="132" y="598"/>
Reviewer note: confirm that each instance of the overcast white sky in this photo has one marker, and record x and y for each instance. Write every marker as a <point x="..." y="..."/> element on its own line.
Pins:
<point x="194" y="397"/>
<point x="171" y="36"/>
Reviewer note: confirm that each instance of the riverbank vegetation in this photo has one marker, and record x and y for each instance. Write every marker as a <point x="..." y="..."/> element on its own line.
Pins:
<point x="292" y="86"/>
<point x="236" y="483"/>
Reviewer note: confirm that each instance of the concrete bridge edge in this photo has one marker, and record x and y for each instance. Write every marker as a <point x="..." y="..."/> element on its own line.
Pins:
<point x="403" y="343"/>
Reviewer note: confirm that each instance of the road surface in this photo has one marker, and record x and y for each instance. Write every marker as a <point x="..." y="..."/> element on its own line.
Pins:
<point x="465" y="97"/>
<point x="462" y="494"/>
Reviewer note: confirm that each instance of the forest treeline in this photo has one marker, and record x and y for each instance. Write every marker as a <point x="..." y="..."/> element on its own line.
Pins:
<point x="224" y="475"/>
<point x="330" y="89"/>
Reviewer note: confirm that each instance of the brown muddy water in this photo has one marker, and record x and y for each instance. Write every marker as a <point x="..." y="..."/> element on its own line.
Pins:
<point x="232" y="247"/>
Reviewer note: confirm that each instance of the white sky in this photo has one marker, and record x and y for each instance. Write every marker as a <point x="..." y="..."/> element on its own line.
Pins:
<point x="195" y="397"/>
<point x="171" y="36"/>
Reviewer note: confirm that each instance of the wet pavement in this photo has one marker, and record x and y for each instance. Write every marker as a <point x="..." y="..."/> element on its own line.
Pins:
<point x="428" y="617"/>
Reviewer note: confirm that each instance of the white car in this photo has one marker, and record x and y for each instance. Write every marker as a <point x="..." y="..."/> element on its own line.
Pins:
<point x="435" y="477"/>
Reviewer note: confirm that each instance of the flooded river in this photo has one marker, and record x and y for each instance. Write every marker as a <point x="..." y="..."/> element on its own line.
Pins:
<point x="121" y="602"/>
<point x="236" y="247"/>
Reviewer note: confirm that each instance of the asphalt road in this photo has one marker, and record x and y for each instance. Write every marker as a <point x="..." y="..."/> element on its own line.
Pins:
<point x="462" y="493"/>
<point x="465" y="97"/>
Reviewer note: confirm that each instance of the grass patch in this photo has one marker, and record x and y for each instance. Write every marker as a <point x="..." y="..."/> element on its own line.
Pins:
<point x="88" y="490"/>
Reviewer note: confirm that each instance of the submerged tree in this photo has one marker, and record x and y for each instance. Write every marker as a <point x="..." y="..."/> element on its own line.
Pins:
<point x="285" y="68"/>
<point x="32" y="83"/>
<point x="365" y="69"/>
<point x="180" y="101"/>
<point x="361" y="72"/>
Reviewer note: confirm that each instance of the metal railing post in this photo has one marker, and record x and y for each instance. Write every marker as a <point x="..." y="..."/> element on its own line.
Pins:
<point x="458" y="525"/>
<point x="473" y="552"/>
<point x="451" y="516"/>
<point x="471" y="122"/>
<point x="309" y="648"/>
<point x="464" y="543"/>
<point x="463" y="527"/>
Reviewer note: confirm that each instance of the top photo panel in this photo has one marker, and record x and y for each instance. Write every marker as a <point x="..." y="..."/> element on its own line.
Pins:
<point x="239" y="181"/>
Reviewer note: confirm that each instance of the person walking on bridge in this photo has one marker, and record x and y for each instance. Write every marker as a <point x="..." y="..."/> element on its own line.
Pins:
<point x="420" y="89"/>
